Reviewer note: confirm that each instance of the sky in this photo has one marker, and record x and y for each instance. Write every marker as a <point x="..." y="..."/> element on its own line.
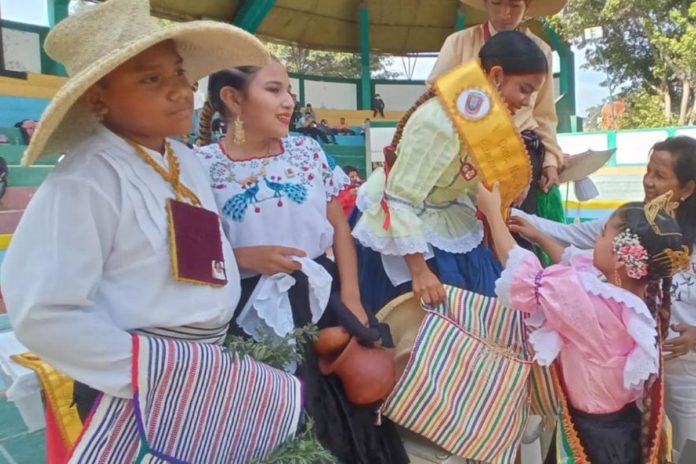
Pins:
<point x="588" y="92"/>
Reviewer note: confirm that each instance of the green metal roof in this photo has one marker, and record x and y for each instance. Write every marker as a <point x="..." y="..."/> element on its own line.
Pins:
<point x="396" y="26"/>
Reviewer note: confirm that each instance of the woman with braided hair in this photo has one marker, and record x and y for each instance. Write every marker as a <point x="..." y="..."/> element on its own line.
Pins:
<point x="277" y="196"/>
<point x="419" y="227"/>
<point x="596" y="316"/>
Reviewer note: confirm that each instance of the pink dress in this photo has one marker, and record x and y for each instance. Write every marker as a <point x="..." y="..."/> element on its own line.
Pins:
<point x="605" y="337"/>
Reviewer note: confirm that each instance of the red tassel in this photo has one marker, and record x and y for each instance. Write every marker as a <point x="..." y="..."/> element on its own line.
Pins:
<point x="385" y="207"/>
<point x="387" y="214"/>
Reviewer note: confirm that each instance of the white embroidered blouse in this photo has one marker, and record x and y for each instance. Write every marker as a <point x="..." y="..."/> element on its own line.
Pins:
<point x="279" y="200"/>
<point x="90" y="262"/>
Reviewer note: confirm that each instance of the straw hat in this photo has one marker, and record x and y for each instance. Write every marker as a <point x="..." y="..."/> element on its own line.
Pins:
<point x="536" y="7"/>
<point x="96" y="40"/>
<point x="580" y="166"/>
<point x="404" y="315"/>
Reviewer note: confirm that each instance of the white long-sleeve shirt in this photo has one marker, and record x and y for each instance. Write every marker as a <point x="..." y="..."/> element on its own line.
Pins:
<point x="90" y="262"/>
<point x="583" y="235"/>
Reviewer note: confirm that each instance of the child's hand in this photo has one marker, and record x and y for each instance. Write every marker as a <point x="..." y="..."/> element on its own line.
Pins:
<point x="488" y="201"/>
<point x="520" y="226"/>
<point x="549" y="178"/>
<point x="268" y="260"/>
<point x="427" y="287"/>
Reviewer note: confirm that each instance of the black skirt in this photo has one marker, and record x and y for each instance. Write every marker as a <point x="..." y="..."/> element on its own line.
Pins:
<point x="613" y="438"/>
<point x="346" y="430"/>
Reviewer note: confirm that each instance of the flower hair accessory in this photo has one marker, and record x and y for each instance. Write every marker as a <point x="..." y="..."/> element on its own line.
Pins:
<point x="629" y="250"/>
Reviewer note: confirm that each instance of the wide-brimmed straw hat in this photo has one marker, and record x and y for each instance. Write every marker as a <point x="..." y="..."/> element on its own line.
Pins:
<point x="536" y="7"/>
<point x="96" y="40"/>
<point x="404" y="316"/>
<point x="580" y="166"/>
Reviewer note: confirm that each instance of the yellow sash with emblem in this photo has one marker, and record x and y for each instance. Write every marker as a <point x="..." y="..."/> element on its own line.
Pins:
<point x="486" y="130"/>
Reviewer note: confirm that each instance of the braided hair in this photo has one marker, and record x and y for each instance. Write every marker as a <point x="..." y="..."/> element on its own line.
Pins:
<point x="658" y="236"/>
<point x="238" y="78"/>
<point x="205" y="123"/>
<point x="513" y="51"/>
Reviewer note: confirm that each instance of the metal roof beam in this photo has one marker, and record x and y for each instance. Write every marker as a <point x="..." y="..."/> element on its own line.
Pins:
<point x="252" y="13"/>
<point x="57" y="11"/>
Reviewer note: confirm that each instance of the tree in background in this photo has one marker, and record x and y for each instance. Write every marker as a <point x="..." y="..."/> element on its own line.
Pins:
<point x="642" y="110"/>
<point x="324" y="63"/>
<point x="647" y="50"/>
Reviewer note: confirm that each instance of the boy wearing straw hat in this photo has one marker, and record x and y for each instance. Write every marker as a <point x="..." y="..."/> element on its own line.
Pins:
<point x="464" y="46"/>
<point x="131" y="283"/>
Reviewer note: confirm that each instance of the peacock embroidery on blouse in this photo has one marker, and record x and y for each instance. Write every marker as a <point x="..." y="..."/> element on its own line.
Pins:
<point x="237" y="206"/>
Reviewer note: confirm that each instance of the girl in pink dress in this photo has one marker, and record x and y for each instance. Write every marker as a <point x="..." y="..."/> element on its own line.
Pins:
<point x="595" y="315"/>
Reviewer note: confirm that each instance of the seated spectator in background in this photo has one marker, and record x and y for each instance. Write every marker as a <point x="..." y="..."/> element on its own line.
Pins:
<point x="296" y="113"/>
<point x="330" y="132"/>
<point x="219" y="127"/>
<point x="343" y="128"/>
<point x="27" y="128"/>
<point x="377" y="106"/>
<point x="310" y="110"/>
<point x="349" y="194"/>
<point x="308" y="126"/>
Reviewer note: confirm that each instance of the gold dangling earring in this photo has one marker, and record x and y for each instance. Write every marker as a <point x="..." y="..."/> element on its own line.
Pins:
<point x="238" y="135"/>
<point x="617" y="278"/>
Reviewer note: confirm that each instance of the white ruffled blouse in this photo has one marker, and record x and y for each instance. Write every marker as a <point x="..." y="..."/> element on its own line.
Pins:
<point x="280" y="200"/>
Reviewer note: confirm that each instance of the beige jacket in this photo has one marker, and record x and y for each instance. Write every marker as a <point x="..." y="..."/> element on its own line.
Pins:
<point x="540" y="115"/>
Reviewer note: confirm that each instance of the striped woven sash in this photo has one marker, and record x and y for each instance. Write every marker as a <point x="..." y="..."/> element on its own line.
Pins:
<point x="193" y="403"/>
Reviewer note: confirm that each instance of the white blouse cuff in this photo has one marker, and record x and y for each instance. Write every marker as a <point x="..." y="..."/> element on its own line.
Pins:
<point x="545" y="341"/>
<point x="388" y="245"/>
<point x="463" y="244"/>
<point x="504" y="283"/>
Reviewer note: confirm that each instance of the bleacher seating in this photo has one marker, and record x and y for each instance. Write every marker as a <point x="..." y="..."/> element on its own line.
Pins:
<point x="34" y="86"/>
<point x="22" y="180"/>
<point x="354" y="117"/>
<point x="351" y="140"/>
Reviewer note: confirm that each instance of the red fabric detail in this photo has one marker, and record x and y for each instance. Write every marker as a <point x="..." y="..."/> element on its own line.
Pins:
<point x="347" y="197"/>
<point x="57" y="451"/>
<point x="385" y="207"/>
<point x="486" y="31"/>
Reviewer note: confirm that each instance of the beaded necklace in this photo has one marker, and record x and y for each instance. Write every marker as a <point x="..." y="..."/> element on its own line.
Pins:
<point x="172" y="175"/>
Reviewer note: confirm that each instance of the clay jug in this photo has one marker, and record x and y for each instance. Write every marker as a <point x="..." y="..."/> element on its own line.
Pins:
<point x="331" y="340"/>
<point x="367" y="374"/>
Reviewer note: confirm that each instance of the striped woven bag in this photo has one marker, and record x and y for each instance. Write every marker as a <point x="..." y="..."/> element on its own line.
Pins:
<point x="465" y="386"/>
<point x="545" y="400"/>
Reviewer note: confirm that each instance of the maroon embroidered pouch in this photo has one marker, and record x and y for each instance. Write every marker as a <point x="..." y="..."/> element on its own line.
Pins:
<point x="195" y="245"/>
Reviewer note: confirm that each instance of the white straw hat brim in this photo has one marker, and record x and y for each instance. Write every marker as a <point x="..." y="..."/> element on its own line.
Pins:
<point x="580" y="166"/>
<point x="536" y="9"/>
<point x="205" y="46"/>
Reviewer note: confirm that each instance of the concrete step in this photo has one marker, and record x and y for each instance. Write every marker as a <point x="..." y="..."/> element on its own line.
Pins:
<point x="16" y="198"/>
<point x="9" y="220"/>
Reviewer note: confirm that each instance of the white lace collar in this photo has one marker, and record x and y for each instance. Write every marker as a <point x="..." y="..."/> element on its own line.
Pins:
<point x="591" y="282"/>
